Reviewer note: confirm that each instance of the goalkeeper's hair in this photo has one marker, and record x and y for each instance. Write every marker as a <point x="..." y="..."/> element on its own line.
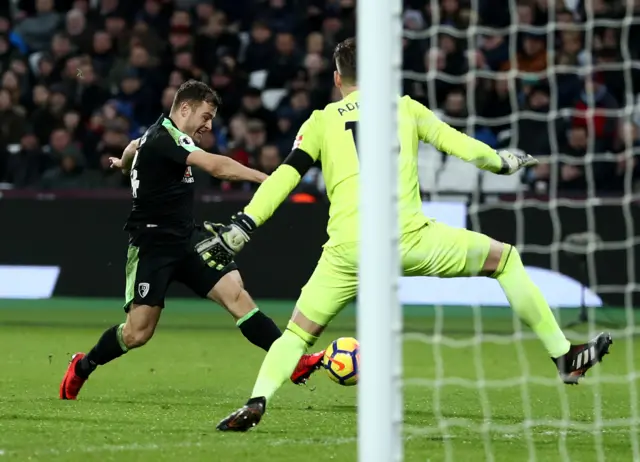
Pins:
<point x="344" y="58"/>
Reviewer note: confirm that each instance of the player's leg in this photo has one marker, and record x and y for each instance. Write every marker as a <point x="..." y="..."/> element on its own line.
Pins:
<point x="573" y="361"/>
<point x="332" y="285"/>
<point x="226" y="288"/>
<point x="440" y="250"/>
<point x="148" y="276"/>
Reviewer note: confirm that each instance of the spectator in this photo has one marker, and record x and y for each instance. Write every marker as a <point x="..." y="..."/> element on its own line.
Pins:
<point x="7" y="53"/>
<point x="594" y="111"/>
<point x="255" y="139"/>
<point x="70" y="174"/>
<point x="214" y="41"/>
<point x="269" y="159"/>
<point x="285" y="63"/>
<point x="77" y="31"/>
<point x="37" y="31"/>
<point x="103" y="55"/>
<point x="12" y="121"/>
<point x="108" y="68"/>
<point x="499" y="106"/>
<point x="24" y="169"/>
<point x="260" y="51"/>
<point x="252" y="108"/>
<point x="90" y="94"/>
<point x="533" y="57"/>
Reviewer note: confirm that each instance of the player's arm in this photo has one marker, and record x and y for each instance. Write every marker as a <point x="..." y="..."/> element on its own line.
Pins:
<point x="126" y="161"/>
<point x="449" y="140"/>
<point x="224" y="167"/>
<point x="185" y="152"/>
<point x="305" y="152"/>
<point x="230" y="239"/>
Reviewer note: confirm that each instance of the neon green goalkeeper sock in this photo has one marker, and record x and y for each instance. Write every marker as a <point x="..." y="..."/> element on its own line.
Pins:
<point x="281" y="360"/>
<point x="528" y="302"/>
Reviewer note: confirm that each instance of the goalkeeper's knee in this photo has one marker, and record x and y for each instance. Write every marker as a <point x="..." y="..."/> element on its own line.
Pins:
<point x="308" y="338"/>
<point x="509" y="259"/>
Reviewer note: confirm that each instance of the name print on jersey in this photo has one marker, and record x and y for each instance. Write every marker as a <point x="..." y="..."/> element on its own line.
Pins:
<point x="348" y="108"/>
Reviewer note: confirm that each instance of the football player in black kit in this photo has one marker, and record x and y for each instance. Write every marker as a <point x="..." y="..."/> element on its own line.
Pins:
<point x="165" y="244"/>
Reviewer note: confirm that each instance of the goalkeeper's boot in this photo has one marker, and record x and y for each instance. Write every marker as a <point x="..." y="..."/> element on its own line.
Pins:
<point x="307" y="365"/>
<point x="580" y="358"/>
<point x="245" y="418"/>
<point x="72" y="382"/>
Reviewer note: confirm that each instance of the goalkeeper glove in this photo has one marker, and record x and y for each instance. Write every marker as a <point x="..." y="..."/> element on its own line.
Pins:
<point x="514" y="161"/>
<point x="211" y="249"/>
<point x="235" y="235"/>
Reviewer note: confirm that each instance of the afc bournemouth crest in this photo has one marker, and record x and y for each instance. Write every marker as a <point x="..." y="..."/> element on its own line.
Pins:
<point x="143" y="289"/>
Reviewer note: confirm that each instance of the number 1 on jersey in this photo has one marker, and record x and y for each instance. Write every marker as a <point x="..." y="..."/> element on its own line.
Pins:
<point x="353" y="126"/>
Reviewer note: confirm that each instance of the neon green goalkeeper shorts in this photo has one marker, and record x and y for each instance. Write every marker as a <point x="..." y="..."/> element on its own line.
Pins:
<point x="434" y="250"/>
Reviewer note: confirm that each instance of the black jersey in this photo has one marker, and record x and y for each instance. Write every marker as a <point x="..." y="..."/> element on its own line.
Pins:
<point x="162" y="182"/>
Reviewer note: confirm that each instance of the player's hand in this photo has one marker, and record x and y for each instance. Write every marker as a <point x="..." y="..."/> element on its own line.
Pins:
<point x="514" y="161"/>
<point x="211" y="249"/>
<point x="117" y="163"/>
<point x="235" y="235"/>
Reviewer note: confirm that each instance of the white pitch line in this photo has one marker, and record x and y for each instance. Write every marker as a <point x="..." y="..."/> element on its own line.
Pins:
<point x="186" y="444"/>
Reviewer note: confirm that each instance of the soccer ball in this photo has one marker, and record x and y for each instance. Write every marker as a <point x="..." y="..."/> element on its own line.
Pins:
<point x="341" y="360"/>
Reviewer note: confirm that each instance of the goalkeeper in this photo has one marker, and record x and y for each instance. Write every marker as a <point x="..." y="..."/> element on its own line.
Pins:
<point x="428" y="248"/>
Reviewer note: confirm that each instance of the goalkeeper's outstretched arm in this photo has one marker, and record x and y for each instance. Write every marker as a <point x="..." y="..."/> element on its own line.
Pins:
<point x="305" y="152"/>
<point x="278" y="186"/>
<point x="449" y="140"/>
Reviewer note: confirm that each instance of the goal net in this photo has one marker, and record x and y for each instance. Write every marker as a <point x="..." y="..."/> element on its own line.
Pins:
<point x="559" y="80"/>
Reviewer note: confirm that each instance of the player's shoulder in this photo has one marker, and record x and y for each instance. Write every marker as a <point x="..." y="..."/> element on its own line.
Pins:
<point x="164" y="133"/>
<point x="317" y="116"/>
<point x="408" y="103"/>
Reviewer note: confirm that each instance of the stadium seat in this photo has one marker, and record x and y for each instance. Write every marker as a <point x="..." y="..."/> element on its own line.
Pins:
<point x="458" y="176"/>
<point x="271" y="98"/>
<point x="492" y="183"/>
<point x="257" y="79"/>
<point x="429" y="164"/>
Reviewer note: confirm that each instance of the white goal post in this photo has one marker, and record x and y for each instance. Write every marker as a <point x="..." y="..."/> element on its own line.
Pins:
<point x="580" y="40"/>
<point x="379" y="315"/>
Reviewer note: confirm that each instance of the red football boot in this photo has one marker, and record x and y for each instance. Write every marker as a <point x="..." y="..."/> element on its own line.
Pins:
<point x="71" y="382"/>
<point x="307" y="365"/>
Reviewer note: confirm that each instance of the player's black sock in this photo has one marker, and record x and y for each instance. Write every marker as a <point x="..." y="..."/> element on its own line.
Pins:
<point x="108" y="348"/>
<point x="259" y="329"/>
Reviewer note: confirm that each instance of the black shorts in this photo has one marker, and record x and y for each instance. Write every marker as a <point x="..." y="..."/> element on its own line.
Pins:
<point x="154" y="260"/>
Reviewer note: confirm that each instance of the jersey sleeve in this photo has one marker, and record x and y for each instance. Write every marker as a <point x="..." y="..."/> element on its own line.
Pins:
<point x="449" y="140"/>
<point x="305" y="151"/>
<point x="177" y="146"/>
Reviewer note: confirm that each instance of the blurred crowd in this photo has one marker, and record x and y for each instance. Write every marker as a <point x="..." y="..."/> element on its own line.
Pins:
<point x="80" y="78"/>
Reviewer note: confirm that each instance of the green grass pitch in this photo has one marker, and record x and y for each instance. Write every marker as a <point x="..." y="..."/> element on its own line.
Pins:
<point x="161" y="403"/>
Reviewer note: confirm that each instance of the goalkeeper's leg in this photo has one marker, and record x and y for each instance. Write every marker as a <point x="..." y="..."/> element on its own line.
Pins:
<point x="440" y="250"/>
<point x="572" y="361"/>
<point x="332" y="285"/>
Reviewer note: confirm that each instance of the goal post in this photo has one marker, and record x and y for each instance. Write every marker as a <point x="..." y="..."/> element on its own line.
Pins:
<point x="379" y="315"/>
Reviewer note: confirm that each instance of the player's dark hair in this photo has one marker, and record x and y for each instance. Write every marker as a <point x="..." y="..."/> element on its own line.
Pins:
<point x="195" y="92"/>
<point x="344" y="58"/>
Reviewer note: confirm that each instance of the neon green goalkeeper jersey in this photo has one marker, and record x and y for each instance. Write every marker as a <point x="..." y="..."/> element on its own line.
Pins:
<point x="329" y="136"/>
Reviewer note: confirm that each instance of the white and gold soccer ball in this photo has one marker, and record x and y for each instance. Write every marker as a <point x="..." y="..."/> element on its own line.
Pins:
<point x="341" y="360"/>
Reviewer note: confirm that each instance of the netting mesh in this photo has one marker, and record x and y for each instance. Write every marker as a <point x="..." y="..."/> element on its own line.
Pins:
<point x="558" y="80"/>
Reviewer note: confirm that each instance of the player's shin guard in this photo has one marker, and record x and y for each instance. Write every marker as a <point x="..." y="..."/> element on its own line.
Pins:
<point x="109" y="347"/>
<point x="528" y="302"/>
<point x="281" y="360"/>
<point x="259" y="329"/>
